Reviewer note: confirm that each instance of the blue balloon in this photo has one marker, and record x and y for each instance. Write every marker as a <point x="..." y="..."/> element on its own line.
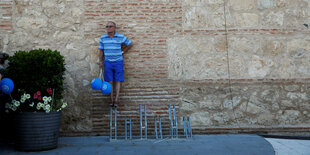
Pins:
<point x="7" y="85"/>
<point x="96" y="84"/>
<point x="106" y="88"/>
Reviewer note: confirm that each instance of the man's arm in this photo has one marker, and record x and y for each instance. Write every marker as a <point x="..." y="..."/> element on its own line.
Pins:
<point x="101" y="58"/>
<point x="126" y="48"/>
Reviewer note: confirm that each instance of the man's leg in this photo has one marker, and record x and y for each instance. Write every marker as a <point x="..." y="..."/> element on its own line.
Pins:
<point x="111" y="95"/>
<point x="108" y="76"/>
<point x="118" y="87"/>
<point x="119" y="77"/>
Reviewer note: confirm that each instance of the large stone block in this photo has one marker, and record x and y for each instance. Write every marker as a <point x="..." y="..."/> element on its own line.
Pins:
<point x="274" y="47"/>
<point x="254" y="109"/>
<point x="289" y="117"/>
<point x="203" y="14"/>
<point x="265" y="4"/>
<point x="270" y="95"/>
<point x="203" y="18"/>
<point x="260" y="67"/>
<point x="193" y="58"/>
<point x="29" y="23"/>
<point x="273" y="19"/>
<point x="221" y="119"/>
<point x="298" y="43"/>
<point x="299" y="56"/>
<point x="247" y="20"/>
<point x="211" y="101"/>
<point x="287" y="104"/>
<point x="231" y="104"/>
<point x="243" y="5"/>
<point x="240" y="49"/>
<point x="188" y="106"/>
<point x="266" y="119"/>
<point x="201" y="119"/>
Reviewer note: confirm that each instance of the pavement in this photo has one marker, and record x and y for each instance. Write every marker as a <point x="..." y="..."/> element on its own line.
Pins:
<point x="230" y="144"/>
<point x="290" y="146"/>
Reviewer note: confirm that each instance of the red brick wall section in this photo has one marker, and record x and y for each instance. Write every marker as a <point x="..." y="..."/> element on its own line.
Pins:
<point x="148" y="24"/>
<point x="6" y="16"/>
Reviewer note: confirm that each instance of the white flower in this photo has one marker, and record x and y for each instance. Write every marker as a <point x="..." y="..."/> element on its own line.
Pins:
<point x="22" y="100"/>
<point x="41" y="104"/>
<point x="16" y="104"/>
<point x="45" y="102"/>
<point x="49" y="99"/>
<point x="28" y="96"/>
<point x="24" y="96"/>
<point x="64" y="105"/>
<point x="47" y="107"/>
<point x="31" y="105"/>
<point x="38" y="107"/>
<point x="45" y="99"/>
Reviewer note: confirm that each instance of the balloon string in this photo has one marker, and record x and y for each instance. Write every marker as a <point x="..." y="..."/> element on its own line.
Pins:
<point x="100" y="74"/>
<point x="11" y="97"/>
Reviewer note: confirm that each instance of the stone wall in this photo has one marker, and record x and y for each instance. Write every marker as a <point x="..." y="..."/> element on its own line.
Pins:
<point x="232" y="65"/>
<point x="58" y="25"/>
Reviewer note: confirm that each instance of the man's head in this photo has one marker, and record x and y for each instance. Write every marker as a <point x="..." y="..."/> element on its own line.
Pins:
<point x="111" y="26"/>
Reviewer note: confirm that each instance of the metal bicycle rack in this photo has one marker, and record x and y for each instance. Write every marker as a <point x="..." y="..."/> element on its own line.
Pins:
<point x="187" y="127"/>
<point x="160" y="129"/>
<point x="173" y="126"/>
<point x="115" y="123"/>
<point x="130" y="131"/>
<point x="173" y="123"/>
<point x="141" y="122"/>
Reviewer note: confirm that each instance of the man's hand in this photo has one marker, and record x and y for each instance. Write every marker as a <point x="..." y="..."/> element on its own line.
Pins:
<point x="101" y="64"/>
<point x="126" y="48"/>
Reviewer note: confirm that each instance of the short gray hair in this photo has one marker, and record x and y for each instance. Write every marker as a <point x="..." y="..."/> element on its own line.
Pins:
<point x="112" y="23"/>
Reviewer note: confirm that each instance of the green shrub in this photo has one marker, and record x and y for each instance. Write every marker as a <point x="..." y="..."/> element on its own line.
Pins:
<point x="37" y="70"/>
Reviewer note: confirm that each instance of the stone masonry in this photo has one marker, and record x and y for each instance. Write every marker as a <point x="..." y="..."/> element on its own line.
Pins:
<point x="234" y="66"/>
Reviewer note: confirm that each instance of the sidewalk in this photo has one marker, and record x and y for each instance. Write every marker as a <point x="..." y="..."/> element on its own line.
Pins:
<point x="199" y="144"/>
<point x="290" y="146"/>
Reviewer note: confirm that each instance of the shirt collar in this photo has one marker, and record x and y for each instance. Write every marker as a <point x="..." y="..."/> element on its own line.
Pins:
<point x="115" y="35"/>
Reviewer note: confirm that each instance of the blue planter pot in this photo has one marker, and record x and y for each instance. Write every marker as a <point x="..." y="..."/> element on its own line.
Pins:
<point x="37" y="131"/>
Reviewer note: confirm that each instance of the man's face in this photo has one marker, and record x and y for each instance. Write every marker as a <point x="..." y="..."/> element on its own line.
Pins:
<point x="110" y="27"/>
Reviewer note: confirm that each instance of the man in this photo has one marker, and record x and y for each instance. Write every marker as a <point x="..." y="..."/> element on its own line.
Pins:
<point x="110" y="46"/>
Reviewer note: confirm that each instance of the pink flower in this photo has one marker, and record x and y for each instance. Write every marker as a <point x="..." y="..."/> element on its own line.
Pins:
<point x="35" y="96"/>
<point x="38" y="93"/>
<point x="39" y="98"/>
<point x="49" y="91"/>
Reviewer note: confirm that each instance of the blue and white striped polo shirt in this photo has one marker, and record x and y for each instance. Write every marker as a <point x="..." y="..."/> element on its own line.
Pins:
<point x="113" y="46"/>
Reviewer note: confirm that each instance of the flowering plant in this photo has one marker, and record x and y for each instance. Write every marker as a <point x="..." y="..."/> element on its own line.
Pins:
<point x="37" y="102"/>
<point x="38" y="76"/>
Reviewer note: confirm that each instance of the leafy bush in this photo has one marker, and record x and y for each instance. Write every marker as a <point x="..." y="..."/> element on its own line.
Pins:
<point x="37" y="71"/>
